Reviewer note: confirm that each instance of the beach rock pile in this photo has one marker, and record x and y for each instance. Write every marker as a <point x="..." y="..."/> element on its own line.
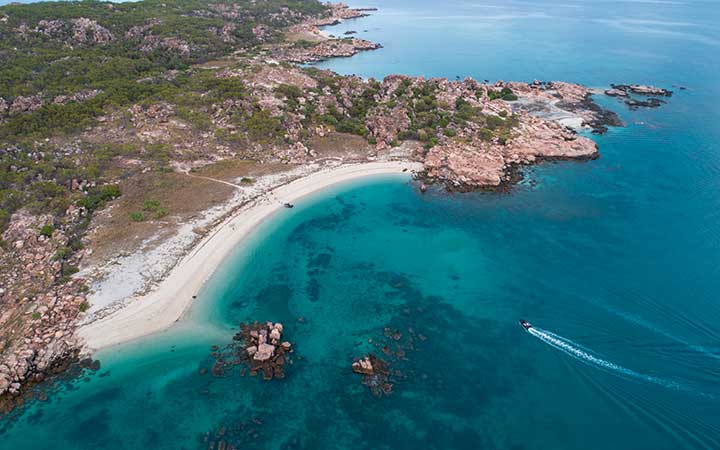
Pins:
<point x="375" y="374"/>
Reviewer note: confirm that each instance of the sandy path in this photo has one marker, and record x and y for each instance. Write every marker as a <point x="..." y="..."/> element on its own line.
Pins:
<point x="159" y="309"/>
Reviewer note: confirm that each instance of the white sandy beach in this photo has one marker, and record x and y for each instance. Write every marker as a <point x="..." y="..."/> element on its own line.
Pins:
<point x="160" y="308"/>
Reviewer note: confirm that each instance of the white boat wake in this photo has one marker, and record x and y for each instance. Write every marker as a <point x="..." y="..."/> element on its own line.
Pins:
<point x="585" y="356"/>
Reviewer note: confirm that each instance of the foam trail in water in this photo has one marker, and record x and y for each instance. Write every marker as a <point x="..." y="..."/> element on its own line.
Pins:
<point x="711" y="352"/>
<point x="576" y="351"/>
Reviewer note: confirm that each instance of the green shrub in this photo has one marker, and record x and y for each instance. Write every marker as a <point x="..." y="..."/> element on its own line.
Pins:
<point x="69" y="270"/>
<point x="36" y="315"/>
<point x="246" y="180"/>
<point x="62" y="253"/>
<point x="137" y="216"/>
<point x="161" y="212"/>
<point x="84" y="306"/>
<point x="97" y="197"/>
<point x="486" y="134"/>
<point x="47" y="230"/>
<point x="262" y="127"/>
<point x="151" y="205"/>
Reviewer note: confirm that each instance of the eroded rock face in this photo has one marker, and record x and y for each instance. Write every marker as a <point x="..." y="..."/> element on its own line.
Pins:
<point x="464" y="165"/>
<point x="471" y="165"/>
<point x="38" y="312"/>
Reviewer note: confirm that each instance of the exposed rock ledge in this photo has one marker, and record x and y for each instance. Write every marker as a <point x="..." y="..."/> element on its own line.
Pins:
<point x="474" y="165"/>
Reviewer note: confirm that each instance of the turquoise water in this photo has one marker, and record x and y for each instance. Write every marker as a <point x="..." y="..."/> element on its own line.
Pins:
<point x="616" y="261"/>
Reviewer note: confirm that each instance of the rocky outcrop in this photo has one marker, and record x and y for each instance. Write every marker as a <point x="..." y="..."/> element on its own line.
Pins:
<point x="27" y="104"/>
<point x="152" y="42"/>
<point x="335" y="48"/>
<point x="616" y="92"/>
<point x="23" y="104"/>
<point x="567" y="97"/>
<point x="375" y="374"/>
<point x="4" y="108"/>
<point x="259" y="347"/>
<point x="52" y="28"/>
<point x="477" y="164"/>
<point x="87" y="30"/>
<point x="641" y="89"/>
<point x="624" y="91"/>
<point x="75" y="31"/>
<point x="385" y="125"/>
<point x="39" y="309"/>
<point x="338" y="12"/>
<point x="80" y="96"/>
<point x="271" y="76"/>
<point x="139" y="31"/>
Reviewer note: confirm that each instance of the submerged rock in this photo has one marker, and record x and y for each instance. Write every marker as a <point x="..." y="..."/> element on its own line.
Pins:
<point x="375" y="374"/>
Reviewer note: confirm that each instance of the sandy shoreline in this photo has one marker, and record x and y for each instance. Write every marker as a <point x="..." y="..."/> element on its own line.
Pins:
<point x="160" y="308"/>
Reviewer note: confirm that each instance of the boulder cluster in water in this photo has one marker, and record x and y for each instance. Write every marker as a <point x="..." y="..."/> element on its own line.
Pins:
<point x="375" y="374"/>
<point x="259" y="346"/>
<point x="623" y="91"/>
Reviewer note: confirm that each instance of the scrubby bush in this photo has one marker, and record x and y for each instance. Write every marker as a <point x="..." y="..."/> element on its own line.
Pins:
<point x="47" y="230"/>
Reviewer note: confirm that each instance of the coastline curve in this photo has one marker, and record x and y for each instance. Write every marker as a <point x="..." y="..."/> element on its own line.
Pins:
<point x="159" y="309"/>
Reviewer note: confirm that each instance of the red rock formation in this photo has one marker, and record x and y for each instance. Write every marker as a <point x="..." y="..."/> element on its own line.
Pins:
<point x="38" y="310"/>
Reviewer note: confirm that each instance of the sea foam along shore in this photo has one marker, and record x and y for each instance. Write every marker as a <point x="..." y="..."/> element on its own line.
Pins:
<point x="160" y="308"/>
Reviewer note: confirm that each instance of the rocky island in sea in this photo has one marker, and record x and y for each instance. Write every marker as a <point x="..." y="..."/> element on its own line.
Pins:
<point x="135" y="120"/>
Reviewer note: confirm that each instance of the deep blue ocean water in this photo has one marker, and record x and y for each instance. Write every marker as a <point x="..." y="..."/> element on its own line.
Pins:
<point x="616" y="261"/>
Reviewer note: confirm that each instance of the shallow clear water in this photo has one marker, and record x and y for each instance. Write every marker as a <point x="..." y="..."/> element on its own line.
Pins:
<point x="617" y="261"/>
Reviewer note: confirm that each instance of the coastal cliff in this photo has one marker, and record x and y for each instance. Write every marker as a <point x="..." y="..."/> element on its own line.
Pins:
<point x="219" y="101"/>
